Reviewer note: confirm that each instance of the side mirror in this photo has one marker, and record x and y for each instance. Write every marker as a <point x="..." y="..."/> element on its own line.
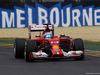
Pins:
<point x="62" y="35"/>
<point x="37" y="36"/>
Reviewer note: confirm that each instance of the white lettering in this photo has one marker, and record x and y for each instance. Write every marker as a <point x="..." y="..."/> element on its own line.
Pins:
<point x="30" y="17"/>
<point x="19" y="18"/>
<point x="57" y="17"/>
<point x="67" y="17"/>
<point x="40" y="17"/>
<point x="96" y="17"/>
<point x="76" y="17"/>
<point x="7" y="20"/>
<point x="88" y="18"/>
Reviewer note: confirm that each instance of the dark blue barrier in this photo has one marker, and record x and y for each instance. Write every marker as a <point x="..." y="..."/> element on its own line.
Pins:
<point x="21" y="15"/>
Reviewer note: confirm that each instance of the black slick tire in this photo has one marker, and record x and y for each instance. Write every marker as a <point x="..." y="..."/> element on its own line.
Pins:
<point x="31" y="47"/>
<point x="19" y="47"/>
<point x="78" y="45"/>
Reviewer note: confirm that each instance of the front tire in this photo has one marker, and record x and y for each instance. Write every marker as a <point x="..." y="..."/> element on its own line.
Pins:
<point x="78" y="45"/>
<point x="19" y="48"/>
<point x="80" y="58"/>
<point x="31" y="47"/>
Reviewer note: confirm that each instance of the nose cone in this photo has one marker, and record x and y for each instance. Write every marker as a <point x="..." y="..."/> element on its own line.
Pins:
<point x="56" y="50"/>
<point x="55" y="46"/>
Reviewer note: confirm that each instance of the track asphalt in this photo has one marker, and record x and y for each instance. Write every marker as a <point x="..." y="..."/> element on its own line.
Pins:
<point x="11" y="66"/>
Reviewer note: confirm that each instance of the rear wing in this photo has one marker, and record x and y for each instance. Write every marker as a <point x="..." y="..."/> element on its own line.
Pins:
<point x="40" y="28"/>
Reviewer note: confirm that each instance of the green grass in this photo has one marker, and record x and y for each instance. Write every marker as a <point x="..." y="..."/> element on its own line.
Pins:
<point x="91" y="43"/>
<point x="7" y="40"/>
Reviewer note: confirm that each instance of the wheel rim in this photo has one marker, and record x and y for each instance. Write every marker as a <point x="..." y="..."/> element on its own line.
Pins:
<point x="25" y="50"/>
<point x="15" y="50"/>
<point x="25" y="55"/>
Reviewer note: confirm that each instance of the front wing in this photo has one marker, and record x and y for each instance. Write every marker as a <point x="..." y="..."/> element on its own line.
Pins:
<point x="41" y="55"/>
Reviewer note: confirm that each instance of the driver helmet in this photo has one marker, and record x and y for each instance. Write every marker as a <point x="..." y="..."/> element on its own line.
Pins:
<point x="48" y="35"/>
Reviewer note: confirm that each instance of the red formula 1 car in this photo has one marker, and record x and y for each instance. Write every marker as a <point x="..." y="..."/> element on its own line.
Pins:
<point x="48" y="47"/>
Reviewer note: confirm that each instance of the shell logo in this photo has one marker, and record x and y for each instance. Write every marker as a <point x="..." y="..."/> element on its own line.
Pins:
<point x="55" y="46"/>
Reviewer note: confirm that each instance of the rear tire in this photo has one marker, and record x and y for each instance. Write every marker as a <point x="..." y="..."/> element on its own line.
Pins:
<point x="19" y="48"/>
<point x="31" y="47"/>
<point x="78" y="45"/>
